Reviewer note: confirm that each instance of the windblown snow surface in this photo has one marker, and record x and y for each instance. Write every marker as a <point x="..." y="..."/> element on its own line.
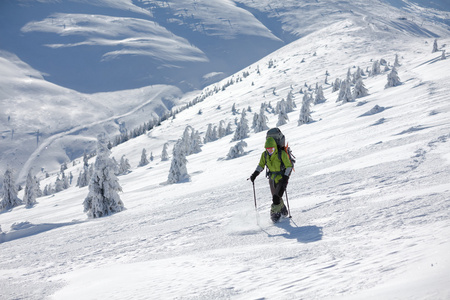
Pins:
<point x="369" y="198"/>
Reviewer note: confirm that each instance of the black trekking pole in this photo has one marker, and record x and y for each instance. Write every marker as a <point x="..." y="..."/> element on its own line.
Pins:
<point x="254" y="197"/>
<point x="287" y="201"/>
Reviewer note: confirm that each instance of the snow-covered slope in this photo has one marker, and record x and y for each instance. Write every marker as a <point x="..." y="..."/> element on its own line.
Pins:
<point x="58" y="55"/>
<point x="369" y="199"/>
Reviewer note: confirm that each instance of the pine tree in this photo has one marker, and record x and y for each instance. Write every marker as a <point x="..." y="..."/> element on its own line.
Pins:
<point x="10" y="199"/>
<point x="305" y="111"/>
<point x="103" y="198"/>
<point x="124" y="166"/>
<point x="237" y="150"/>
<point x="396" y="63"/>
<point x="376" y="68"/>
<point x="319" y="98"/>
<point x="393" y="79"/>
<point x="345" y="94"/>
<point x="435" y="46"/>
<point x="29" y="197"/>
<point x="196" y="142"/>
<point x="165" y="154"/>
<point x="360" y="90"/>
<point x="144" y="160"/>
<point x="261" y="121"/>
<point x="443" y="55"/>
<point x="242" y="129"/>
<point x="290" y="103"/>
<point x="336" y="85"/>
<point x="178" y="171"/>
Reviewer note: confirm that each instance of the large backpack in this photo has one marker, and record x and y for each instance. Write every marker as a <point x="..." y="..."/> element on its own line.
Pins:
<point x="278" y="136"/>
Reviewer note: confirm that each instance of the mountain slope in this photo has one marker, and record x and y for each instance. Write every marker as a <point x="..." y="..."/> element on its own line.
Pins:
<point x="369" y="197"/>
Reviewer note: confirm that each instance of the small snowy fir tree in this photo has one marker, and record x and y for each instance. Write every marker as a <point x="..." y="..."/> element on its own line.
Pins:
<point x="282" y="117"/>
<point x="178" y="171"/>
<point x="319" y="98"/>
<point x="242" y="129"/>
<point x="360" y="90"/>
<point x="196" y="142"/>
<point x="124" y="166"/>
<point x="210" y="136"/>
<point x="336" y="85"/>
<point x="435" y="46"/>
<point x="443" y="55"/>
<point x="234" y="110"/>
<point x="261" y="121"/>
<point x="165" y="154"/>
<point x="144" y="161"/>
<point x="237" y="150"/>
<point x="396" y="63"/>
<point x="290" y="103"/>
<point x="345" y="93"/>
<point x="103" y="198"/>
<point x="376" y="68"/>
<point x="29" y="197"/>
<point x="151" y="156"/>
<point x="305" y="111"/>
<point x="221" y="132"/>
<point x="10" y="199"/>
<point x="393" y="79"/>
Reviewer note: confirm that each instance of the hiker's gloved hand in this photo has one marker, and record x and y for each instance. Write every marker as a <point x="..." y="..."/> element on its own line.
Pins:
<point x="254" y="175"/>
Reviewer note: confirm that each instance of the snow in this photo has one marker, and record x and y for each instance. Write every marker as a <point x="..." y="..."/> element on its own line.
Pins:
<point x="369" y="198"/>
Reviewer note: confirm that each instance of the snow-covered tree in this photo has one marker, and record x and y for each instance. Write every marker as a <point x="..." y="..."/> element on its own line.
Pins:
<point x="237" y="150"/>
<point x="360" y="90"/>
<point x="39" y="192"/>
<point x="151" y="156"/>
<point x="234" y="110"/>
<point x="345" y="93"/>
<point x="393" y="79"/>
<point x="376" y="68"/>
<point x="196" y="142"/>
<point x="242" y="129"/>
<point x="29" y="197"/>
<point x="319" y="98"/>
<point x="178" y="171"/>
<point x="282" y="117"/>
<point x="435" y="46"/>
<point x="290" y="103"/>
<point x="305" y="111"/>
<point x="124" y="166"/>
<point x="210" y="135"/>
<point x="443" y="55"/>
<point x="260" y="121"/>
<point x="144" y="161"/>
<point x="221" y="132"/>
<point x="103" y="198"/>
<point x="10" y="199"/>
<point x="336" y="85"/>
<point x="165" y="154"/>
<point x="396" y="63"/>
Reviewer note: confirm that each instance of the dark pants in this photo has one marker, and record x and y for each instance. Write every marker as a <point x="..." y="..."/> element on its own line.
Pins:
<point x="277" y="190"/>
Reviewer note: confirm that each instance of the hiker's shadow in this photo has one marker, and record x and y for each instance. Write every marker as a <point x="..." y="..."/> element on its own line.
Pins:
<point x="304" y="234"/>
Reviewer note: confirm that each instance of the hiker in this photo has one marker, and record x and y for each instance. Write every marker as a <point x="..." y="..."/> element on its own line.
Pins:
<point x="279" y="169"/>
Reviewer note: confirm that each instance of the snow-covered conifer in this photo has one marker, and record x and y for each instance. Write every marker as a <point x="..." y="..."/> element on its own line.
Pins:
<point x="443" y="55"/>
<point x="261" y="121"/>
<point x="237" y="150"/>
<point x="178" y="171"/>
<point x="234" y="110"/>
<point x="151" y="156"/>
<point x="376" y="68"/>
<point x="360" y="90"/>
<point x="165" y="154"/>
<point x="221" y="132"/>
<point x="29" y="197"/>
<point x="393" y="79"/>
<point x="228" y="130"/>
<point x="124" y="166"/>
<point x="242" y="129"/>
<point x="59" y="184"/>
<point x="10" y="199"/>
<point x="305" y="111"/>
<point x="39" y="192"/>
<point x="345" y="93"/>
<point x="336" y="85"/>
<point x="319" y="98"/>
<point x="144" y="161"/>
<point x="435" y="46"/>
<point x="103" y="198"/>
<point x="396" y="63"/>
<point x="196" y="142"/>
<point x="209" y="135"/>
<point x="290" y="103"/>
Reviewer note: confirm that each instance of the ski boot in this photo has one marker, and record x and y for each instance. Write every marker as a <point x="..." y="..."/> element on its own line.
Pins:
<point x="283" y="211"/>
<point x="275" y="212"/>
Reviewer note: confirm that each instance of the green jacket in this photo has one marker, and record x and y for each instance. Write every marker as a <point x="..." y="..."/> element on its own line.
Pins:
<point x="273" y="162"/>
